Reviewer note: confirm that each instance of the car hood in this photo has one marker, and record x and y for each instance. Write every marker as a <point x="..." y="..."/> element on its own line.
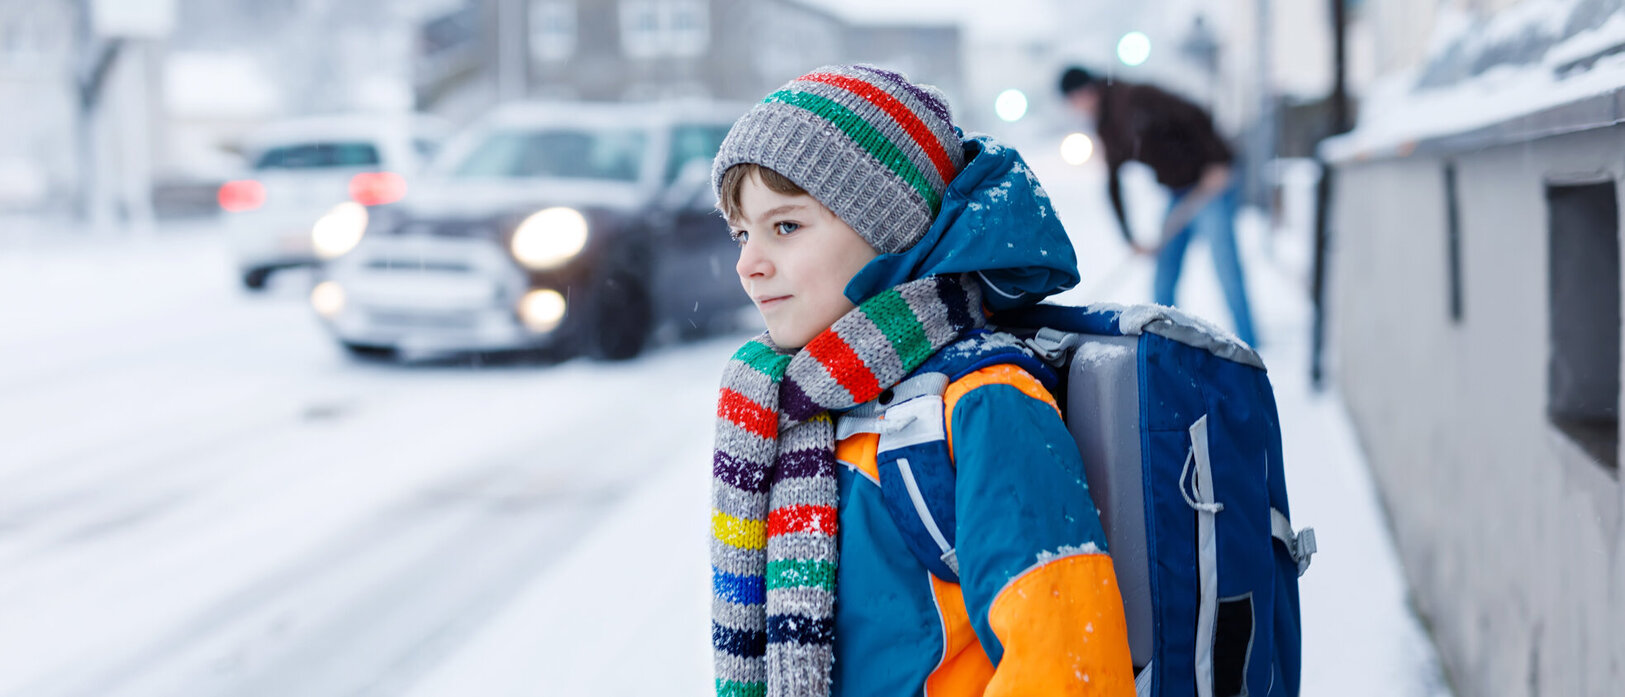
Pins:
<point x="996" y="222"/>
<point x="474" y="198"/>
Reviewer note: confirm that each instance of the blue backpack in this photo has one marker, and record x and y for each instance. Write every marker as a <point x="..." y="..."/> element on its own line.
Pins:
<point x="1177" y="426"/>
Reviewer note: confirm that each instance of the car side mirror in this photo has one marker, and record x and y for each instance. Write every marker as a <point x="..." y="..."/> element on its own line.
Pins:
<point x="691" y="190"/>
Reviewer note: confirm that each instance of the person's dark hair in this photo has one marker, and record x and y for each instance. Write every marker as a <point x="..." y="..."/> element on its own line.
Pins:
<point x="1074" y="79"/>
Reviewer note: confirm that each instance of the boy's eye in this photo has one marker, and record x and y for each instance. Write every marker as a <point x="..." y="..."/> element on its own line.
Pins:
<point x="739" y="236"/>
<point x="786" y="227"/>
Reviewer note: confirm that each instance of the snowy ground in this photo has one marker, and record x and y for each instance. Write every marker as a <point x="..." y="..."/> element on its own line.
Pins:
<point x="200" y="495"/>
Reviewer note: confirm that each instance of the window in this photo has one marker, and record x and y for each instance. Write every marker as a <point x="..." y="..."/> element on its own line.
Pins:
<point x="612" y="154"/>
<point x="687" y="27"/>
<point x="693" y="142"/>
<point x="1582" y="384"/>
<point x="652" y="28"/>
<point x="455" y="30"/>
<point x="318" y="155"/>
<point x="552" y="30"/>
<point x="640" y="28"/>
<point x="23" y="42"/>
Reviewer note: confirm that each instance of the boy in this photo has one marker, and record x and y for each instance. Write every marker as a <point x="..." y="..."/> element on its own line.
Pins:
<point x="871" y="237"/>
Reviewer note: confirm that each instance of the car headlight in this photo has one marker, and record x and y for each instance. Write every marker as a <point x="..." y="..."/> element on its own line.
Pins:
<point x="327" y="298"/>
<point x="549" y="238"/>
<point x="542" y="309"/>
<point x="340" y="230"/>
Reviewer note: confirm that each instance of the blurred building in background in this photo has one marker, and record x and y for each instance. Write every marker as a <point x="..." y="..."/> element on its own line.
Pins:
<point x="647" y="49"/>
<point x="617" y="50"/>
<point x="36" y="69"/>
<point x="173" y="101"/>
<point x="1477" y="327"/>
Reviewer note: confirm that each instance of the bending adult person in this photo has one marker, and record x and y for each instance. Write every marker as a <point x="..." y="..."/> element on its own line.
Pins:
<point x="1176" y="139"/>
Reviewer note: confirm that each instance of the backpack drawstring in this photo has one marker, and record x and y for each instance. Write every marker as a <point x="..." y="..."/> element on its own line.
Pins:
<point x="1214" y="507"/>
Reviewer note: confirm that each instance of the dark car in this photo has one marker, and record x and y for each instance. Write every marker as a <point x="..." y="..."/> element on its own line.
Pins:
<point x="545" y="225"/>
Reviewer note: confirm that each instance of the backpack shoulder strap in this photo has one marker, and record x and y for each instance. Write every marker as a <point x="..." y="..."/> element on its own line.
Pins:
<point x="916" y="467"/>
<point x="983" y="348"/>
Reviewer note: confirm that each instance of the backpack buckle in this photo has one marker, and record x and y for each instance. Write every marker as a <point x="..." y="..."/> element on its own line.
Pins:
<point x="1300" y="544"/>
<point x="1053" y="345"/>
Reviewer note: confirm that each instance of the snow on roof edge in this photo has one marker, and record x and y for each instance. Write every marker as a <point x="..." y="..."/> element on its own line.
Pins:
<point x="1398" y="116"/>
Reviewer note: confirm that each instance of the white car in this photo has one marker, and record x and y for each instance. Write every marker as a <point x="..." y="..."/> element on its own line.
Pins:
<point x="301" y="168"/>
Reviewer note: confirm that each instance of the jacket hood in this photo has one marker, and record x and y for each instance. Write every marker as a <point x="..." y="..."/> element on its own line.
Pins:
<point x="996" y="222"/>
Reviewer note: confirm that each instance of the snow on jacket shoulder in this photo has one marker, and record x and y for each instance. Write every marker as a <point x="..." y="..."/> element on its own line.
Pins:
<point x="1037" y="611"/>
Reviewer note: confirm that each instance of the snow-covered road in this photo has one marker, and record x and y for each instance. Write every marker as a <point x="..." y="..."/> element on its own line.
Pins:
<point x="200" y="494"/>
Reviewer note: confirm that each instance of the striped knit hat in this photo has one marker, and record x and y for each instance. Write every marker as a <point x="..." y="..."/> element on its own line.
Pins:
<point x="874" y="148"/>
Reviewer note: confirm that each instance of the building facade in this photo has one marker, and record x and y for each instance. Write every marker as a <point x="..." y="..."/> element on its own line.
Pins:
<point x="1475" y="269"/>
<point x="615" y="50"/>
<point x="37" y="153"/>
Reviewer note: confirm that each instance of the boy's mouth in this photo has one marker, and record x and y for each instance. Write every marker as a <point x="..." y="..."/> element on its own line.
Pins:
<point x="767" y="301"/>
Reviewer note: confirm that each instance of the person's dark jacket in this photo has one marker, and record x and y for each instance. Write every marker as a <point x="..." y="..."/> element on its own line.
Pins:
<point x="1167" y="133"/>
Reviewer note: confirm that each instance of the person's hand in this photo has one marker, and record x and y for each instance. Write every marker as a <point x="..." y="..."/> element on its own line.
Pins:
<point x="1214" y="178"/>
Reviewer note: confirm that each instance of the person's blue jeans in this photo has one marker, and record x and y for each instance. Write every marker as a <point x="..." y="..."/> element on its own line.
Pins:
<point x="1216" y="223"/>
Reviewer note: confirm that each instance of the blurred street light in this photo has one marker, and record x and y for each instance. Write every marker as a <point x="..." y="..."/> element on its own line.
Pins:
<point x="1134" y="48"/>
<point x="1011" y="105"/>
<point x="1077" y="148"/>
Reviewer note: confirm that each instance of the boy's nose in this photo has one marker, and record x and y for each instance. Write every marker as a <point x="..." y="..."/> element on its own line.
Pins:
<point x="752" y="262"/>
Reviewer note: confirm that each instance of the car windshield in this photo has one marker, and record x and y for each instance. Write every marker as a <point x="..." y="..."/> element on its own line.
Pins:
<point x="694" y="142"/>
<point x="613" y="154"/>
<point x="318" y="156"/>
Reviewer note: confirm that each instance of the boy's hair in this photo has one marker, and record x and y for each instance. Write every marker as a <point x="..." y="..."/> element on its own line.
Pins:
<point x="733" y="182"/>
<point x="875" y="149"/>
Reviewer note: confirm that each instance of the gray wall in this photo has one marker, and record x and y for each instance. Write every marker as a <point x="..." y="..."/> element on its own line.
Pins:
<point x="1510" y="534"/>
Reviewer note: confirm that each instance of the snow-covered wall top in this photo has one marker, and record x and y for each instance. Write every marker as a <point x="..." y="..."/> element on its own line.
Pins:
<point x="1483" y="71"/>
<point x="1465" y="47"/>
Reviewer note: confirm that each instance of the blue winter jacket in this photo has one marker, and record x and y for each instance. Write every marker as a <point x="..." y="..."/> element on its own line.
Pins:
<point x="1037" y="610"/>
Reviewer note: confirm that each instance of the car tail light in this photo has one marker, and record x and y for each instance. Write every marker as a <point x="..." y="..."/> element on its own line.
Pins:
<point x="241" y="195"/>
<point x="377" y="188"/>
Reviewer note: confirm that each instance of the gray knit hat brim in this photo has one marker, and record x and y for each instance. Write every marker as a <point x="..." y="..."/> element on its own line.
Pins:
<point x="851" y="183"/>
<point x="890" y="205"/>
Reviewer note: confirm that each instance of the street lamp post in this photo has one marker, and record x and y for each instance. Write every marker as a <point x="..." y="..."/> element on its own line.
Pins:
<point x="1264" y="136"/>
<point x="1323" y="191"/>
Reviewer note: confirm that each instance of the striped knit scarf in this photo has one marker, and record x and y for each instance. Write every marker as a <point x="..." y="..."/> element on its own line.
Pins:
<point x="773" y="495"/>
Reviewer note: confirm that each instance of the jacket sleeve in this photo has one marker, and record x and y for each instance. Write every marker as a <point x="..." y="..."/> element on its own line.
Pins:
<point x="1037" y="583"/>
<point x="1114" y="192"/>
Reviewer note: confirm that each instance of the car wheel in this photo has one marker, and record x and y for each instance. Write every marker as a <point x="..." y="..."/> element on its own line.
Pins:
<point x="622" y="318"/>
<point x="369" y="352"/>
<point x="254" y="279"/>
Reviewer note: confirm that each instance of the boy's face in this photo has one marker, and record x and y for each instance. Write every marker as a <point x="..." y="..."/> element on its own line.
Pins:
<point x="795" y="259"/>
